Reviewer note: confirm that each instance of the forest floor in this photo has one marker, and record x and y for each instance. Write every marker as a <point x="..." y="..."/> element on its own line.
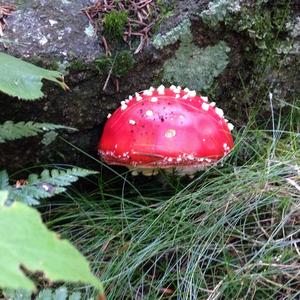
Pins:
<point x="230" y="233"/>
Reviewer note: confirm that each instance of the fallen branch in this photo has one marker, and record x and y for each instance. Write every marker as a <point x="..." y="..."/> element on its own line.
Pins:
<point x="5" y="11"/>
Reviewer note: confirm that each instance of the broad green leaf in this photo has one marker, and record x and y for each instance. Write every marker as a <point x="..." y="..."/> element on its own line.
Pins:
<point x="25" y="241"/>
<point x="24" y="80"/>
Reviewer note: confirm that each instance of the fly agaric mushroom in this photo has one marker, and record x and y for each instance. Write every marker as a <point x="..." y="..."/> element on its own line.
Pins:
<point x="166" y="128"/>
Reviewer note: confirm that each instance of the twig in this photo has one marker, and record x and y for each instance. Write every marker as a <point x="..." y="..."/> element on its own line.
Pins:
<point x="293" y="183"/>
<point x="109" y="74"/>
<point x="5" y="11"/>
<point x="107" y="79"/>
<point x="216" y="292"/>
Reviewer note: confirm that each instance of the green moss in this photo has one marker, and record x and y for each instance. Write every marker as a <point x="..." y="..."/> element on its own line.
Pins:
<point x="78" y="65"/>
<point x="263" y="26"/>
<point x="119" y="65"/>
<point x="53" y="65"/>
<point x="166" y="10"/>
<point x="114" y="23"/>
<point x="194" y="67"/>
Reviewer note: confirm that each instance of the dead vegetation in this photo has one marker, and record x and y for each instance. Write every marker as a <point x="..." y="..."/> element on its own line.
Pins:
<point x="5" y="11"/>
<point x="141" y="17"/>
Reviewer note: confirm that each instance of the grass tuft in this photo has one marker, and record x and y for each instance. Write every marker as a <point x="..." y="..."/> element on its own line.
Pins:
<point x="231" y="233"/>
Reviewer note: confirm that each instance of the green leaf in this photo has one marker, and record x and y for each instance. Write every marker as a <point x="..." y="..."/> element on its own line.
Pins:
<point x="46" y="185"/>
<point x="11" y="131"/>
<point x="24" y="80"/>
<point x="25" y="241"/>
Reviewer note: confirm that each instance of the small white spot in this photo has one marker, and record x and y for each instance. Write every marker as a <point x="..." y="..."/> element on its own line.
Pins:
<point x="116" y="146"/>
<point x="161" y="90"/>
<point x="151" y="89"/>
<point x="191" y="157"/>
<point x="43" y="41"/>
<point x="132" y="122"/>
<point x="177" y="96"/>
<point x="230" y="126"/>
<point x="212" y="104"/>
<point x="89" y="30"/>
<point x="52" y="22"/>
<point x="147" y="93"/>
<point x="138" y="97"/>
<point x="179" y="159"/>
<point x="46" y="187"/>
<point x="225" y="120"/>
<point x="204" y="98"/>
<point x="225" y="146"/>
<point x="185" y="96"/>
<point x="192" y="93"/>
<point x="170" y="159"/>
<point x="203" y="140"/>
<point x="170" y="133"/>
<point x="270" y="96"/>
<point x="181" y="117"/>
<point x="108" y="116"/>
<point x="219" y="112"/>
<point x="123" y="103"/>
<point x="177" y="90"/>
<point x="172" y="87"/>
<point x="149" y="113"/>
<point x="186" y="90"/>
<point x="130" y="97"/>
<point x="154" y="99"/>
<point x="205" y="106"/>
<point x="123" y="107"/>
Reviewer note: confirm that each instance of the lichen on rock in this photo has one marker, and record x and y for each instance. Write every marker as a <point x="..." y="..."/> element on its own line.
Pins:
<point x="294" y="27"/>
<point x="196" y="67"/>
<point x="162" y="40"/>
<point x="218" y="10"/>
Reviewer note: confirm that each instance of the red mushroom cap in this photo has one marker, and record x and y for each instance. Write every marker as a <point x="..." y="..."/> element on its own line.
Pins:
<point x="166" y="128"/>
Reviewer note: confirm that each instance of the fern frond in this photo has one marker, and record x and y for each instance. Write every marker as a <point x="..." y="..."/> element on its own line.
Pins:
<point x="4" y="180"/>
<point x="46" y="185"/>
<point x="12" y="131"/>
